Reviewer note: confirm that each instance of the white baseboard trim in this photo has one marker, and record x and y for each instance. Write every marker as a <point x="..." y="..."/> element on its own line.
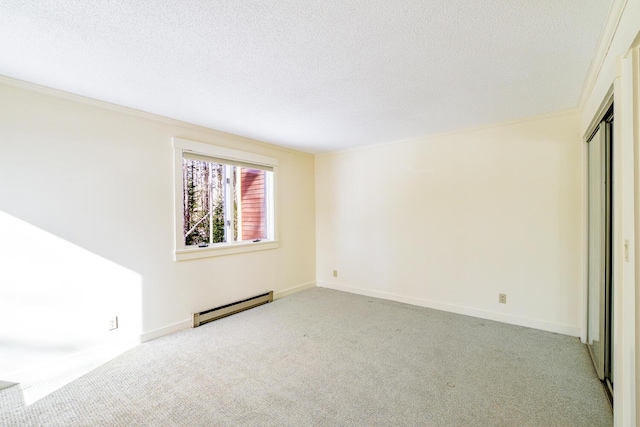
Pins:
<point x="160" y="332"/>
<point x="573" y="331"/>
<point x="186" y="324"/>
<point x="293" y="290"/>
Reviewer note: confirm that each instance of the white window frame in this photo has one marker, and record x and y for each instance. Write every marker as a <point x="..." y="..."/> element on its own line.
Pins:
<point x="182" y="252"/>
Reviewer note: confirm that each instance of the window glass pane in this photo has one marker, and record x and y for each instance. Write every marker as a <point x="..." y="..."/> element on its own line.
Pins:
<point x="236" y="190"/>
<point x="251" y="211"/>
<point x="203" y="202"/>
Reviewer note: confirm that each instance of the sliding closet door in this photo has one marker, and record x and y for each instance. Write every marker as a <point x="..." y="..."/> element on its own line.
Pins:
<point x="597" y="249"/>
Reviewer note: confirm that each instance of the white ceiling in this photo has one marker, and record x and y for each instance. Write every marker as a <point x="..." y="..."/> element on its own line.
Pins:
<point x="317" y="75"/>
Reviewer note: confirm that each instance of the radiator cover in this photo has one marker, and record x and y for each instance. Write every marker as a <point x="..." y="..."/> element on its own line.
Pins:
<point x="229" y="309"/>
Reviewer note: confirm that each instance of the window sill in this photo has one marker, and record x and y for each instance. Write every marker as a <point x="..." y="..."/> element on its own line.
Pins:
<point x="221" y="250"/>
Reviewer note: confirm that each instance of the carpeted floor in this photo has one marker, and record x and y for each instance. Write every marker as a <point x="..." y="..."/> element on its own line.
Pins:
<point x="327" y="358"/>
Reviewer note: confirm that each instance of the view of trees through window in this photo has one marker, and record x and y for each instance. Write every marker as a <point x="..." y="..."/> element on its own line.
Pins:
<point x="203" y="192"/>
<point x="205" y="209"/>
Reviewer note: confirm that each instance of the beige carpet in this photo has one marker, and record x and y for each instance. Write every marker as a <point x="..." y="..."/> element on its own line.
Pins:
<point x="327" y="358"/>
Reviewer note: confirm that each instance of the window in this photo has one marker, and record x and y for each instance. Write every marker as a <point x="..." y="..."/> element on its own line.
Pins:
<point x="224" y="200"/>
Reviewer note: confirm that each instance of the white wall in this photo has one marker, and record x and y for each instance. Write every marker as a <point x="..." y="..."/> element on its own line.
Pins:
<point x="96" y="183"/>
<point x="451" y="221"/>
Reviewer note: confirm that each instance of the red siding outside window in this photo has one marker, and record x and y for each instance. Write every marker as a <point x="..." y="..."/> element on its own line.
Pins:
<point x="252" y="202"/>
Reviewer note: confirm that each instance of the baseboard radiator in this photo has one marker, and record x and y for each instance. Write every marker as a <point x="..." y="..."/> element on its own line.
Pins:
<point x="229" y="309"/>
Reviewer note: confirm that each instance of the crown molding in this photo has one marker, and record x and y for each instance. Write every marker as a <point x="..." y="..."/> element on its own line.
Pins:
<point x="606" y="38"/>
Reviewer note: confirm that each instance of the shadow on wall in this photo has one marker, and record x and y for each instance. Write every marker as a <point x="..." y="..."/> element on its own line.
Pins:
<point x="57" y="300"/>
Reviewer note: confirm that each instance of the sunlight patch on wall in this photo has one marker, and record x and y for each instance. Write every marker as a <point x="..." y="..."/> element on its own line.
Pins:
<point x="57" y="299"/>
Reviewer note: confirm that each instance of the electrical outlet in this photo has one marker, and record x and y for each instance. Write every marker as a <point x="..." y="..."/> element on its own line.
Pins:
<point x="502" y="298"/>
<point x="335" y="273"/>
<point x="113" y="323"/>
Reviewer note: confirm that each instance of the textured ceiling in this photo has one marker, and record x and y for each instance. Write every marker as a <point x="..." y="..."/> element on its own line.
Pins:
<point x="318" y="75"/>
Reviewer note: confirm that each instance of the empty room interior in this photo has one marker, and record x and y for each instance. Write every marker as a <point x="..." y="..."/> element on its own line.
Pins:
<point x="320" y="213"/>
